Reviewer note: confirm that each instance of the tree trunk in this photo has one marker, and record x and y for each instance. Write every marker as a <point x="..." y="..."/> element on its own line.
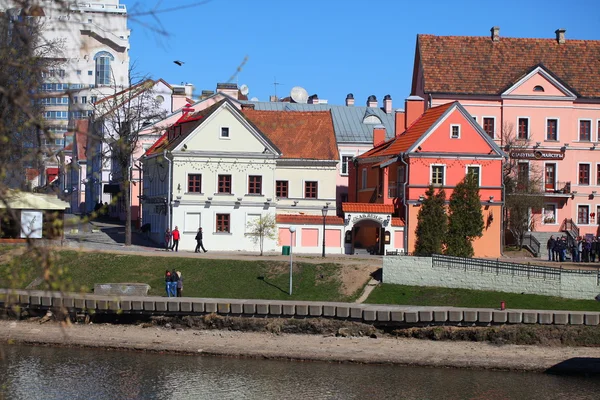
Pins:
<point x="126" y="197"/>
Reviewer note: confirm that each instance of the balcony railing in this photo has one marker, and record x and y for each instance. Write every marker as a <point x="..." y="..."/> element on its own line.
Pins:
<point x="558" y="187"/>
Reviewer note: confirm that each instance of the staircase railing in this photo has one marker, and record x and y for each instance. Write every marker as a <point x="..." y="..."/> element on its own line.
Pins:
<point x="570" y="227"/>
<point x="533" y="244"/>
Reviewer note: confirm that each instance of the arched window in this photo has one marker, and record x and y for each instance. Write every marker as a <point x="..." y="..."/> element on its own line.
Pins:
<point x="538" y="88"/>
<point x="103" y="71"/>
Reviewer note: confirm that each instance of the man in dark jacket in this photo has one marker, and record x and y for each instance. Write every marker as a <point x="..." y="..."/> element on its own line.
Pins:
<point x="174" y="281"/>
<point x="550" y="247"/>
<point x="199" y="242"/>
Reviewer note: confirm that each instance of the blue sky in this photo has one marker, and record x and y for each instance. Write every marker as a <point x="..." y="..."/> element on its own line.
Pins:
<point x="329" y="47"/>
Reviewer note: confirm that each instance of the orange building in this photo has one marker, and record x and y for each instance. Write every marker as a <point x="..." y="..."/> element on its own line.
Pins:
<point x="439" y="146"/>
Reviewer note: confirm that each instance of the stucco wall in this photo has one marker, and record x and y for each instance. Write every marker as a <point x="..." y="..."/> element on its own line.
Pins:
<point x="418" y="271"/>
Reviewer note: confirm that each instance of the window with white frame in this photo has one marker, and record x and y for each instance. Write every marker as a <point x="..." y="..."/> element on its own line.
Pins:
<point x="438" y="174"/>
<point x="344" y="167"/>
<point x="552" y="129"/>
<point x="225" y="132"/>
<point x="489" y="126"/>
<point x="583" y="214"/>
<point x="549" y="216"/>
<point x="455" y="131"/>
<point x="584" y="174"/>
<point x="103" y="69"/>
<point x="475" y="170"/>
<point x="585" y="130"/>
<point x="523" y="128"/>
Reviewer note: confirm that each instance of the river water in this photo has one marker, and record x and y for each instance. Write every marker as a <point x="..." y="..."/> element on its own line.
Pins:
<point x="64" y="373"/>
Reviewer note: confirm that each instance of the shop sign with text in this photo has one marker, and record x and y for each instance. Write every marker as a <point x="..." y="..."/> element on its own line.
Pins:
<point x="537" y="155"/>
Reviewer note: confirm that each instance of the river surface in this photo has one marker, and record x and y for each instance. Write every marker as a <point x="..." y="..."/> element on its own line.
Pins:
<point x="63" y="373"/>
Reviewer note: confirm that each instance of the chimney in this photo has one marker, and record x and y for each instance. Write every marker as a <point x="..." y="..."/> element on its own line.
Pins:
<point x="378" y="134"/>
<point x="495" y="33"/>
<point x="314" y="99"/>
<point x="414" y="107"/>
<point x="372" y="101"/>
<point x="399" y="125"/>
<point x="387" y="104"/>
<point x="206" y="94"/>
<point x="349" y="100"/>
<point x="230" y="89"/>
<point x="273" y="99"/>
<point x="248" y="106"/>
<point x="560" y="35"/>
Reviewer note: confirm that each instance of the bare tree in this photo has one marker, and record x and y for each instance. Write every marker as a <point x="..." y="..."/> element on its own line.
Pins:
<point x="118" y="120"/>
<point x="523" y="185"/>
<point x="263" y="227"/>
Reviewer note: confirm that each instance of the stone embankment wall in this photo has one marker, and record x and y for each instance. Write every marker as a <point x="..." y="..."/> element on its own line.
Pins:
<point x="382" y="315"/>
<point x="419" y="271"/>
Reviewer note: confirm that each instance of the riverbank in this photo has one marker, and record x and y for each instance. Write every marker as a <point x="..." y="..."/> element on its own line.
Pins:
<point x="380" y="350"/>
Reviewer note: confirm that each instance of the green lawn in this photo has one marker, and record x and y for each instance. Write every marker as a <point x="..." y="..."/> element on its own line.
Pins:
<point x="435" y="296"/>
<point x="202" y="277"/>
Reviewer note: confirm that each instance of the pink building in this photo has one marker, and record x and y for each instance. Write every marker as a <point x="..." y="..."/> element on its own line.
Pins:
<point x="545" y="94"/>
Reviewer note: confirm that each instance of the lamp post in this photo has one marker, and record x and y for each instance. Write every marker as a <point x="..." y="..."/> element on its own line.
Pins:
<point x="292" y="230"/>
<point x="324" y="212"/>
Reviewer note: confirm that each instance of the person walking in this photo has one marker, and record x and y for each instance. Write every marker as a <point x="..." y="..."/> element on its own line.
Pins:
<point x="550" y="248"/>
<point x="168" y="282"/>
<point x="168" y="236"/>
<point x="179" y="283"/>
<point x="199" y="242"/>
<point x="176" y="236"/>
<point x="174" y="279"/>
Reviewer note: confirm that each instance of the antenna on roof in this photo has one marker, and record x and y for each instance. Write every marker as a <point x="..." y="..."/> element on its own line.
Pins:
<point x="275" y="83"/>
<point x="244" y="90"/>
<point x="299" y="95"/>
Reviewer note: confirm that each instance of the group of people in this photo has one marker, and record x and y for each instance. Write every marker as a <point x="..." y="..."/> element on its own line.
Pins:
<point x="175" y="236"/>
<point x="582" y="250"/>
<point x="173" y="283"/>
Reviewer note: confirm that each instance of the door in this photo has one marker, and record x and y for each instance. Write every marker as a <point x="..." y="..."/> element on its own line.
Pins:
<point x="550" y="177"/>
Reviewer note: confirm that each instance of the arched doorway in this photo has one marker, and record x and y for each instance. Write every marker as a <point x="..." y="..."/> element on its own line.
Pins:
<point x="366" y="237"/>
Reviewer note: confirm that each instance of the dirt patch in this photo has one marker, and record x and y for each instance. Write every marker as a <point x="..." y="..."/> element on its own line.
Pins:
<point x="355" y="277"/>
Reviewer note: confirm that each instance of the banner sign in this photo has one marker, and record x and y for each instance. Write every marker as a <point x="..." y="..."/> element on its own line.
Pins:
<point x="537" y="155"/>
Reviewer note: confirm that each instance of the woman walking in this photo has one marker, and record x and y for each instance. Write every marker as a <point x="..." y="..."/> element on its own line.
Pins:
<point x="179" y="284"/>
<point x="168" y="235"/>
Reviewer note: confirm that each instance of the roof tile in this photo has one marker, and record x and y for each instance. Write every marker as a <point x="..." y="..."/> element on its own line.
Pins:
<point x="377" y="208"/>
<point x="308" y="219"/>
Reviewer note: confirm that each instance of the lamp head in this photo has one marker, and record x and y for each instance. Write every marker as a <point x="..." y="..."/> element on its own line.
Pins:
<point x="292" y="229"/>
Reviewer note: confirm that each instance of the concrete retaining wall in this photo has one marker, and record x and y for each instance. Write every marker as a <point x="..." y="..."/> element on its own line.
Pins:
<point x="418" y="271"/>
<point x="371" y="314"/>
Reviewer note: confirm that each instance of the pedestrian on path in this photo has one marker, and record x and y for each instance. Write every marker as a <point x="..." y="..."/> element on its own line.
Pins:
<point x="199" y="242"/>
<point x="174" y="280"/>
<point x="550" y="247"/>
<point x="176" y="237"/>
<point x="168" y="282"/>
<point x="179" y="283"/>
<point x="168" y="236"/>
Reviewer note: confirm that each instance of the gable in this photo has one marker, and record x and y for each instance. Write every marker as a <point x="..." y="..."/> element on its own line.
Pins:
<point x="471" y="140"/>
<point x="241" y="137"/>
<point x="539" y="83"/>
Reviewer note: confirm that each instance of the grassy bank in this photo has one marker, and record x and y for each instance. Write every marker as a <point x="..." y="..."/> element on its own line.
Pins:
<point x="79" y="271"/>
<point x="435" y="296"/>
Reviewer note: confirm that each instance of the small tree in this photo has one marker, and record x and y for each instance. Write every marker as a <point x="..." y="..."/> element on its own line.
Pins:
<point x="465" y="220"/>
<point x="263" y="227"/>
<point x="522" y="185"/>
<point x="432" y="223"/>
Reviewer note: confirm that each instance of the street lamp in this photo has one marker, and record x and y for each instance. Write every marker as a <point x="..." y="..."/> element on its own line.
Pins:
<point x="292" y="230"/>
<point x="324" y="212"/>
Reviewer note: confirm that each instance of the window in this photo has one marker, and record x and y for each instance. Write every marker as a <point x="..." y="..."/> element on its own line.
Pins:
<point x="83" y="99"/>
<point x="584" y="174"/>
<point x="597" y="174"/>
<point x="523" y="176"/>
<point x="78" y="72"/>
<point x="61" y="73"/>
<point x="364" y="178"/>
<point x="583" y="215"/>
<point x="310" y="189"/>
<point x="551" y="129"/>
<point x="75" y="99"/>
<point x="585" y="130"/>
<point x="103" y="60"/>
<point x="224" y="184"/>
<point x="93" y="99"/>
<point x="523" y="132"/>
<point x="195" y="183"/>
<point x="344" y="168"/>
<point x="281" y="189"/>
<point x="476" y="171"/>
<point x="549" y="216"/>
<point x="489" y="126"/>
<point x="401" y="174"/>
<point x="90" y="73"/>
<point x="255" y="184"/>
<point x="455" y="131"/>
<point x="59" y="142"/>
<point x="437" y="174"/>
<point x="223" y="223"/>
<point x="538" y="88"/>
<point x="225" y="132"/>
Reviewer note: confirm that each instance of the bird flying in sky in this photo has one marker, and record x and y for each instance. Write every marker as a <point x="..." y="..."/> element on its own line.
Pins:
<point x="180" y="63"/>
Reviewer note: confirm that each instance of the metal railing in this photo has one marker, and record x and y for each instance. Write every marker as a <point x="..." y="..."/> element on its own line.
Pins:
<point x="558" y="187"/>
<point x="569" y="226"/>
<point x="502" y="267"/>
<point x="532" y="243"/>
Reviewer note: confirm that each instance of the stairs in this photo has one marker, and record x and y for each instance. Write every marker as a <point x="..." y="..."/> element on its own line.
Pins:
<point x="543" y="237"/>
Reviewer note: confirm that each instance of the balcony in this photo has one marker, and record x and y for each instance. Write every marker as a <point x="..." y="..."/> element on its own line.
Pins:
<point x="557" y="189"/>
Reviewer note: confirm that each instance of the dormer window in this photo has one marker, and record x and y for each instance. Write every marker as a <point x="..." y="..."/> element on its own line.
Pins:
<point x="538" y="88"/>
<point x="455" y="131"/>
<point x="371" y="120"/>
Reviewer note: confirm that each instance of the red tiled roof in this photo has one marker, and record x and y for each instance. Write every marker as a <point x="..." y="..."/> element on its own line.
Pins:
<point x="414" y="132"/>
<point x="477" y="65"/>
<point x="396" y="221"/>
<point x="297" y="134"/>
<point x="308" y="219"/>
<point x="81" y="135"/>
<point x="376" y="208"/>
